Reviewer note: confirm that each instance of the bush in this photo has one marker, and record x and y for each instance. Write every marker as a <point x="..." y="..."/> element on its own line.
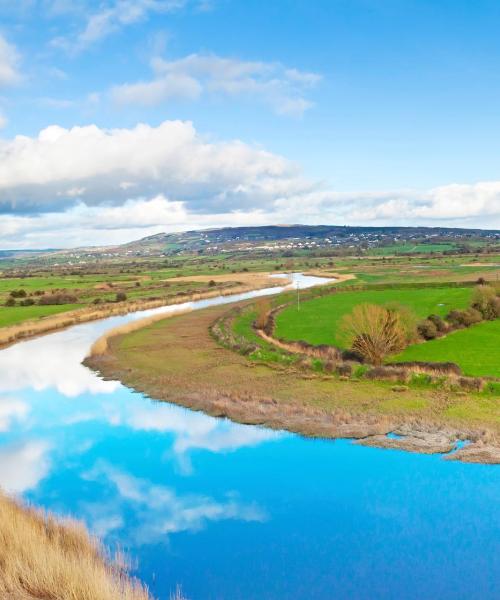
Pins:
<point x="121" y="297"/>
<point x="485" y="301"/>
<point x="18" y="294"/>
<point x="10" y="302"/>
<point x="27" y="302"/>
<point x="60" y="298"/>
<point x="464" y="318"/>
<point x="211" y="283"/>
<point x="427" y="329"/>
<point x="439" y="323"/>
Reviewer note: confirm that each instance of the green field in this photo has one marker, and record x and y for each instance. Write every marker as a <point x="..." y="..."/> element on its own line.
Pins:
<point x="318" y="320"/>
<point x="18" y="314"/>
<point x="476" y="349"/>
<point x="412" y="248"/>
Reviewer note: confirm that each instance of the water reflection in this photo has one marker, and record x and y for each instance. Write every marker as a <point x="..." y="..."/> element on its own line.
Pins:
<point x="23" y="465"/>
<point x="158" y="510"/>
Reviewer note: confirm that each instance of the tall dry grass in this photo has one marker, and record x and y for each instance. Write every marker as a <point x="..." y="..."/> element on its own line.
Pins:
<point x="41" y="557"/>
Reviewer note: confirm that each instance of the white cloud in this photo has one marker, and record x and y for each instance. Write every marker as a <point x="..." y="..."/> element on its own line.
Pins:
<point x="9" y="64"/>
<point x="189" y="77"/>
<point x="112" y="17"/>
<point x="36" y="173"/>
<point x="3" y="121"/>
<point x="110" y="186"/>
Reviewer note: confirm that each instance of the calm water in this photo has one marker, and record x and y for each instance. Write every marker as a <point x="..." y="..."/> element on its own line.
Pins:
<point x="236" y="512"/>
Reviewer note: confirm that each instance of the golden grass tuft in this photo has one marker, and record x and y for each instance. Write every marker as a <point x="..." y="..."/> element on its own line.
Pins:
<point x="42" y="557"/>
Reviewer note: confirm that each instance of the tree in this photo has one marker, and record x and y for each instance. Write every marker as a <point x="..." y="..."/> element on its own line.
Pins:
<point x="263" y="308"/>
<point x="373" y="332"/>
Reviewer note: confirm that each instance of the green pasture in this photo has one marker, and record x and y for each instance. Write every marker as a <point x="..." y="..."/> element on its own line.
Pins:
<point x="318" y="320"/>
<point x="476" y="349"/>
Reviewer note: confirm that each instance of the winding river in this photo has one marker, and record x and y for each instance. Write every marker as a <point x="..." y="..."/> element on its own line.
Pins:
<point x="238" y="512"/>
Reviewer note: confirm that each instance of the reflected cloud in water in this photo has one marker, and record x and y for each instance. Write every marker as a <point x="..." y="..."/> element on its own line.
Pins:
<point x="23" y="465"/>
<point x="158" y="511"/>
<point x="12" y="410"/>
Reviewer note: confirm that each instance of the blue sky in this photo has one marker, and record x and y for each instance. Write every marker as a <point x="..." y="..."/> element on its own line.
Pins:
<point x="340" y="111"/>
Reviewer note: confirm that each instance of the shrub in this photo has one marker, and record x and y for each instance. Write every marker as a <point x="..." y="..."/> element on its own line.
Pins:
<point x="427" y="329"/>
<point x="439" y="323"/>
<point x="464" y="318"/>
<point x="27" y="302"/>
<point x="211" y="283"/>
<point x="58" y="298"/>
<point x="485" y="301"/>
<point x="10" y="302"/>
<point x="121" y="297"/>
<point x="18" y="294"/>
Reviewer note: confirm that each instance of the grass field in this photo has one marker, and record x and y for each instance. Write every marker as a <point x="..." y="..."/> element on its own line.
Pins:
<point x="18" y="314"/>
<point x="318" y="320"/>
<point x="476" y="349"/>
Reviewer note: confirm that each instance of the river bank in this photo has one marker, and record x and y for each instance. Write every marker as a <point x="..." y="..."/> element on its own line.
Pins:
<point x="240" y="283"/>
<point x="178" y="361"/>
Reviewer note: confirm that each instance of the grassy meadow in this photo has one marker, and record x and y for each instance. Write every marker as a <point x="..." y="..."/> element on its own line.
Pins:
<point x="475" y="349"/>
<point x="318" y="320"/>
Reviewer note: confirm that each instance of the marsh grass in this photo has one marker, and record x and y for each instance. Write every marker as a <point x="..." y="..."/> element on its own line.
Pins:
<point x="43" y="557"/>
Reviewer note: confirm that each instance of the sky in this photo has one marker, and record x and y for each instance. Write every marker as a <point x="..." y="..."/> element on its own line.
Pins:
<point x="124" y="118"/>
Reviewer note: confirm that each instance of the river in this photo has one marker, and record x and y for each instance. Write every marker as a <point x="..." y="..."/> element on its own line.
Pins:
<point x="236" y="512"/>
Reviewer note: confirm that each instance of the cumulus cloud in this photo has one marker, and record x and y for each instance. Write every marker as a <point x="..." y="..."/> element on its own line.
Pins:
<point x="110" y="186"/>
<point x="110" y="166"/>
<point x="189" y="77"/>
<point x="9" y="64"/>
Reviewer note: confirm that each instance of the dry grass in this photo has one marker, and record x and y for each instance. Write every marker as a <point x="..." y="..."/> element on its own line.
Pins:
<point x="41" y="557"/>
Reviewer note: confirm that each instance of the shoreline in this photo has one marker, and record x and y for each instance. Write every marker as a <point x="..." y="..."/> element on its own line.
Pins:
<point x="256" y="394"/>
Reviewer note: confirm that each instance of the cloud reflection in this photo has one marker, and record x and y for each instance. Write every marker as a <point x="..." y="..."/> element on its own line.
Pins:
<point x="23" y="465"/>
<point x="12" y="409"/>
<point x="156" y="511"/>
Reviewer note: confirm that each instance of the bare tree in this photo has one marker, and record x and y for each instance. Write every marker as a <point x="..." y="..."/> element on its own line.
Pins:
<point x="263" y="307"/>
<point x="373" y="332"/>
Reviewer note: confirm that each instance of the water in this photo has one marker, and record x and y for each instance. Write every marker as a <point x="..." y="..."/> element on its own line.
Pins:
<point x="237" y="512"/>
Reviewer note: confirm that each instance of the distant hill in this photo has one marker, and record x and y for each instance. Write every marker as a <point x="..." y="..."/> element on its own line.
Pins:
<point x="270" y="238"/>
<point x="241" y="238"/>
